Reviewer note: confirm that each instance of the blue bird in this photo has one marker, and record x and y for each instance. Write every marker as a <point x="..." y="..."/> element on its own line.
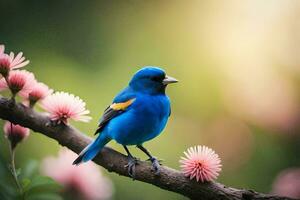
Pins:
<point x="137" y="114"/>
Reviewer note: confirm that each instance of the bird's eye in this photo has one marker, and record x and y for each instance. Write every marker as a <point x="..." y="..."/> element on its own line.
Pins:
<point x="157" y="79"/>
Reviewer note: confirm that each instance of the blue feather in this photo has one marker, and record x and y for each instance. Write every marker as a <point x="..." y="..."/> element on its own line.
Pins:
<point x="89" y="152"/>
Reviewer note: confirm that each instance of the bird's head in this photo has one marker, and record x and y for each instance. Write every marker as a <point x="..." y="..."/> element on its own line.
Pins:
<point x="152" y="80"/>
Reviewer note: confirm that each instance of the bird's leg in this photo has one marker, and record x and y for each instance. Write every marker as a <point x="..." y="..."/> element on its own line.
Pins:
<point x="155" y="162"/>
<point x="132" y="161"/>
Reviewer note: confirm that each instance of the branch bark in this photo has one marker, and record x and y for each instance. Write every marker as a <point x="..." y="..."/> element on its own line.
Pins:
<point x="168" y="179"/>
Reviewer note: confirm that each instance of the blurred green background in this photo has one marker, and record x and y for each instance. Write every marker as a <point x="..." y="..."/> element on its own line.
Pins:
<point x="237" y="61"/>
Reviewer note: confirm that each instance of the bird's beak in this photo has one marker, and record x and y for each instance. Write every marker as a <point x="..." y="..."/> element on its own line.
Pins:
<point x="169" y="80"/>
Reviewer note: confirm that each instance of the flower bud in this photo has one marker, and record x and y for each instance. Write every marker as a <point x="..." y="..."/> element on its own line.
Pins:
<point x="4" y="65"/>
<point x="15" y="133"/>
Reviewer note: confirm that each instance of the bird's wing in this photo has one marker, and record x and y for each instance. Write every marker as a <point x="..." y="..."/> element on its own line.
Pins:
<point x="119" y="105"/>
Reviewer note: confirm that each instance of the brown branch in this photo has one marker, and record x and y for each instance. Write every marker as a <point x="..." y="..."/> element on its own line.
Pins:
<point x="113" y="161"/>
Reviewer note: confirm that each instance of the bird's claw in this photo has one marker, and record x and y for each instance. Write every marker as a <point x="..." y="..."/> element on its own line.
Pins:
<point x="155" y="165"/>
<point x="158" y="160"/>
<point x="132" y="162"/>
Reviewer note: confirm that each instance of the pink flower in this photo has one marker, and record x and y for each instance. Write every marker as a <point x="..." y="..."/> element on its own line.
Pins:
<point x="63" y="106"/>
<point x="201" y="163"/>
<point x="4" y="64"/>
<point x="18" y="61"/>
<point x="39" y="91"/>
<point x="86" y="181"/>
<point x="2" y="48"/>
<point x="9" y="62"/>
<point x="287" y="183"/>
<point x="15" y="133"/>
<point x="18" y="80"/>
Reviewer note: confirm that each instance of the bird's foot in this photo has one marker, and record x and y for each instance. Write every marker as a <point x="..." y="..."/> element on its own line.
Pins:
<point x="132" y="162"/>
<point x="155" y="165"/>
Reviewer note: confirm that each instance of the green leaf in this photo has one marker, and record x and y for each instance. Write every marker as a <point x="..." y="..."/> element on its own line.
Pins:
<point x="44" y="196"/>
<point x="25" y="183"/>
<point x="7" y="191"/>
<point x="42" y="184"/>
<point x="30" y="169"/>
<point x="18" y="172"/>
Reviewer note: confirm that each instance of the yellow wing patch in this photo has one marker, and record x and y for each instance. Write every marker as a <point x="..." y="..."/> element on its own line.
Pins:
<point x="122" y="106"/>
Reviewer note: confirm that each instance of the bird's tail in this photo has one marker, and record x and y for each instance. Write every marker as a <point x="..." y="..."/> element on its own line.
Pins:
<point x="89" y="152"/>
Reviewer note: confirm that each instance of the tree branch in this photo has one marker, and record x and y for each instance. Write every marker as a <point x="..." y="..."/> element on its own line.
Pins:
<point x="113" y="161"/>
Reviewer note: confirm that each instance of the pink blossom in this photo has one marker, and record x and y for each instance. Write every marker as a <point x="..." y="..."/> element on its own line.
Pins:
<point x="9" y="62"/>
<point x="15" y="133"/>
<point x="3" y="84"/>
<point x="63" y="106"/>
<point x="18" y="61"/>
<point x="18" y="80"/>
<point x="201" y="163"/>
<point x="85" y="180"/>
<point x="39" y="91"/>
<point x="4" y="64"/>
<point x="2" y="48"/>
<point x="287" y="183"/>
